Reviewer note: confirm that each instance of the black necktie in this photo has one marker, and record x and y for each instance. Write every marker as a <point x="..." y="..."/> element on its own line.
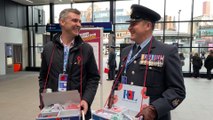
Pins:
<point x="136" y="48"/>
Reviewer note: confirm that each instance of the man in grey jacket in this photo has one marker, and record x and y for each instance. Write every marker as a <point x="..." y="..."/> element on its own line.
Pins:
<point x="68" y="59"/>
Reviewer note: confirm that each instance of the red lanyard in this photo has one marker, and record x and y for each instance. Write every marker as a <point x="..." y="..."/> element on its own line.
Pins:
<point x="147" y="63"/>
<point x="146" y="71"/>
<point x="81" y="73"/>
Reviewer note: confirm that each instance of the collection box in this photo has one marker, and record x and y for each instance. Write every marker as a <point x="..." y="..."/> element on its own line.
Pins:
<point x="107" y="114"/>
<point x="128" y="100"/>
<point x="60" y="105"/>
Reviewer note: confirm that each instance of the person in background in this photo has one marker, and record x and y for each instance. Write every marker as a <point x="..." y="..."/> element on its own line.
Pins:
<point x="182" y="58"/>
<point x="152" y="64"/>
<point x="67" y="59"/>
<point x="111" y="63"/>
<point x="209" y="64"/>
<point x="203" y="55"/>
<point x="197" y="64"/>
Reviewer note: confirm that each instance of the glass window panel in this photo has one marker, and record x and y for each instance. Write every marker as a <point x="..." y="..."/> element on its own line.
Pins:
<point x="203" y="9"/>
<point x="123" y="10"/>
<point x="202" y="34"/>
<point x="101" y="12"/>
<point x="121" y="34"/>
<point x="38" y="57"/>
<point x="86" y="11"/>
<point x="46" y="9"/>
<point x="178" y="9"/>
<point x="180" y="37"/>
<point x="57" y="9"/>
<point x="156" y="5"/>
<point x="41" y="14"/>
<point x="186" y="54"/>
<point x="158" y="31"/>
<point x="105" y="38"/>
<point x="159" y="26"/>
<point x="38" y="48"/>
<point x="38" y="40"/>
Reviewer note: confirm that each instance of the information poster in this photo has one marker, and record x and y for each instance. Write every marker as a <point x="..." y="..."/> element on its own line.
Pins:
<point x="93" y="36"/>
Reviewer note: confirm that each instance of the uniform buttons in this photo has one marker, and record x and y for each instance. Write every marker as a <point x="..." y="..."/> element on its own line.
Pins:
<point x="133" y="72"/>
<point x="132" y="83"/>
<point x="135" y="62"/>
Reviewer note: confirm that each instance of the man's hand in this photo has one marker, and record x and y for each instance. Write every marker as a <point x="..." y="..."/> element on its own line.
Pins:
<point x="148" y="113"/>
<point x="84" y="106"/>
<point x="41" y="106"/>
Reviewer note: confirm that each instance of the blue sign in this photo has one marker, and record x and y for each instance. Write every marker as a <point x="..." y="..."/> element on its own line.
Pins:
<point x="53" y="28"/>
<point x="106" y="25"/>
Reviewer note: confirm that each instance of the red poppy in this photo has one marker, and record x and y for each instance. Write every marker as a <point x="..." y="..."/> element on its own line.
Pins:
<point x="78" y="59"/>
<point x="115" y="100"/>
<point x="120" y="86"/>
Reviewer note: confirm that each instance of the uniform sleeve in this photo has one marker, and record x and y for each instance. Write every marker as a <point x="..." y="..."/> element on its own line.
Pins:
<point x="175" y="92"/>
<point x="92" y="79"/>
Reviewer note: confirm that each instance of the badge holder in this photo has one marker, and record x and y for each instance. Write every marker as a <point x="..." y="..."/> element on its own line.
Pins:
<point x="62" y="82"/>
<point x="124" y="79"/>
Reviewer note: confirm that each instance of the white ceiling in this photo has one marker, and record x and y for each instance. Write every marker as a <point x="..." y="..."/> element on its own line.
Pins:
<point x="45" y="2"/>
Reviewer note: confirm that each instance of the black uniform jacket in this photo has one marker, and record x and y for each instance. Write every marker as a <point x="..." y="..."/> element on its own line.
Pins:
<point x="80" y="52"/>
<point x="165" y="84"/>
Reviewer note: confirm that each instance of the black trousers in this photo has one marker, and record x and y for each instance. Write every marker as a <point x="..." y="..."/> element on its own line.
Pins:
<point x="196" y="72"/>
<point x="111" y="74"/>
<point x="209" y="76"/>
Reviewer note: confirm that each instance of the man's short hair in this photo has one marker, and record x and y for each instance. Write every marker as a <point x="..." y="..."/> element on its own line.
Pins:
<point x="64" y="12"/>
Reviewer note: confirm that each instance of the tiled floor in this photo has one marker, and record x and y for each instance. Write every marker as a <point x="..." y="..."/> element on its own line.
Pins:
<point x="19" y="98"/>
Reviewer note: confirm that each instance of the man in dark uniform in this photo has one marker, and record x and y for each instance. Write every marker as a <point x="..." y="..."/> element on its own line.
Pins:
<point x="151" y="64"/>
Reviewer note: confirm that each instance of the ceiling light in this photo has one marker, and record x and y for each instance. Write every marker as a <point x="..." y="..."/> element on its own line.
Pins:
<point x="29" y="1"/>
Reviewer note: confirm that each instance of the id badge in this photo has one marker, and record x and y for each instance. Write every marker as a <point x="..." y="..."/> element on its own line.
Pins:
<point x="124" y="79"/>
<point x="62" y="82"/>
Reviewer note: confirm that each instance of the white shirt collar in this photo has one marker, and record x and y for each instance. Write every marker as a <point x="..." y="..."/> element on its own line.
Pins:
<point x="70" y="44"/>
